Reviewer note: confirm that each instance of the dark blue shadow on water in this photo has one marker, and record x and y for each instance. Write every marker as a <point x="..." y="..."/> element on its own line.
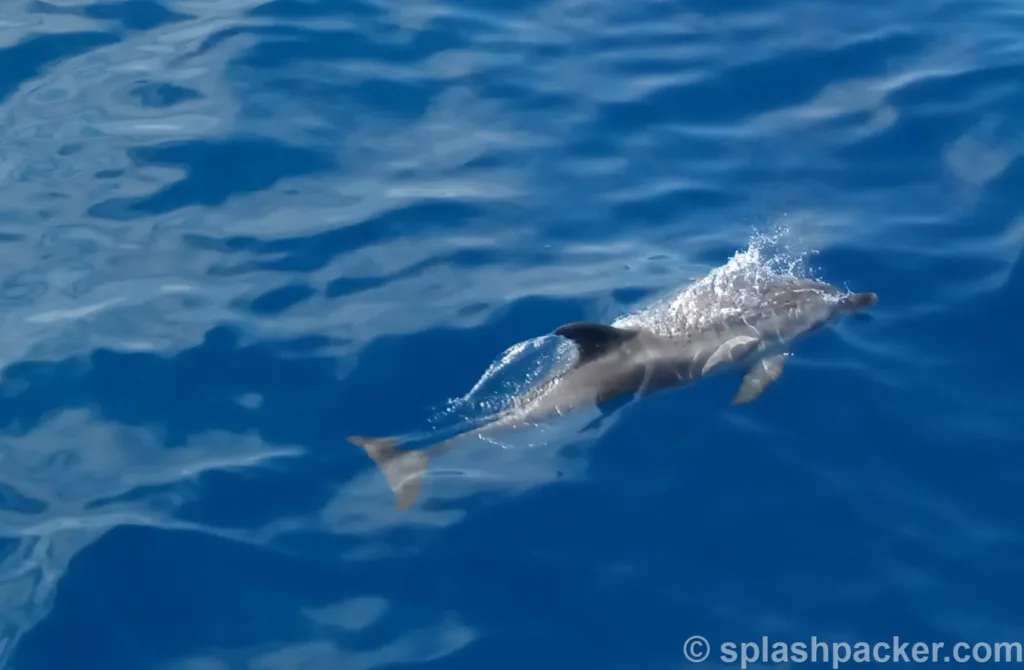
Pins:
<point x="217" y="171"/>
<point x="26" y="60"/>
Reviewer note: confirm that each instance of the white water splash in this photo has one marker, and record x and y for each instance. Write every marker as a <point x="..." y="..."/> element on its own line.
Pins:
<point x="513" y="372"/>
<point x="726" y="289"/>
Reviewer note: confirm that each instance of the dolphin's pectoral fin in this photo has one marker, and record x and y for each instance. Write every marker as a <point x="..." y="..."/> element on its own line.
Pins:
<point x="594" y="339"/>
<point x="759" y="377"/>
<point x="403" y="468"/>
<point x="731" y="351"/>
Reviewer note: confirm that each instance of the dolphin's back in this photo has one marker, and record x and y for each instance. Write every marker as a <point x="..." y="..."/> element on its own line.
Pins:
<point x="774" y="315"/>
<point x="781" y="310"/>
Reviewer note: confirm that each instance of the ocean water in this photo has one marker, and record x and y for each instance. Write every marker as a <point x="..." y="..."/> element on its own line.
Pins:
<point x="236" y="232"/>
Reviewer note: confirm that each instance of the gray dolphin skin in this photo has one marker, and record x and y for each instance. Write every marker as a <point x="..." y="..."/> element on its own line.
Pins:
<point x="613" y="362"/>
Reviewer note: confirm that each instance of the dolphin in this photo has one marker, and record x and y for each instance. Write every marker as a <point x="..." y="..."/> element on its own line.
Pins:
<point x="613" y="362"/>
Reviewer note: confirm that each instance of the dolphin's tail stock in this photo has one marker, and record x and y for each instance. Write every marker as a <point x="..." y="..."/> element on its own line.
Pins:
<point x="403" y="468"/>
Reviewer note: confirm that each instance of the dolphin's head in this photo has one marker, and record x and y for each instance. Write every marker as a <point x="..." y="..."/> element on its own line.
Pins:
<point x="853" y="303"/>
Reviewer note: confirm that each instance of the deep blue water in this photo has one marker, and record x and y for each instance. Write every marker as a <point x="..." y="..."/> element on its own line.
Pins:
<point x="236" y="232"/>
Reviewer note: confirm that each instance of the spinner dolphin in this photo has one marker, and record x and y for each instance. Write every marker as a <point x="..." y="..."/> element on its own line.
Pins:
<point x="612" y="362"/>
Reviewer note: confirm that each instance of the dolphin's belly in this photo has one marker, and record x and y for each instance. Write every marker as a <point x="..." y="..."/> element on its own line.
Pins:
<point x="666" y="376"/>
<point x="570" y="394"/>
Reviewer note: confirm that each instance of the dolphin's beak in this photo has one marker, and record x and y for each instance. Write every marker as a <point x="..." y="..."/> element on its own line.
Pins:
<point x="856" y="302"/>
<point x="864" y="300"/>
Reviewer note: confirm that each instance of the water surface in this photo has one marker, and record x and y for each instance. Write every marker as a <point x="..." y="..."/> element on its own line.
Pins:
<point x="234" y="232"/>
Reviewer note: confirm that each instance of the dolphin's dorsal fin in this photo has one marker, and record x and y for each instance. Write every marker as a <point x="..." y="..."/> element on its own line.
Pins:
<point x="594" y="339"/>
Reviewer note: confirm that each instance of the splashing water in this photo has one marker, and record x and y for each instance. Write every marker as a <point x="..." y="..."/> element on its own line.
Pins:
<point x="512" y="373"/>
<point x="726" y="289"/>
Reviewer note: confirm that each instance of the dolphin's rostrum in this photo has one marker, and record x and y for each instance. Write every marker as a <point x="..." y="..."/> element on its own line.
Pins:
<point x="613" y="362"/>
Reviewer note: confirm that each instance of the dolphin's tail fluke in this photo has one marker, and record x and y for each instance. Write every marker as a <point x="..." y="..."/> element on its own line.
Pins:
<point x="403" y="468"/>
